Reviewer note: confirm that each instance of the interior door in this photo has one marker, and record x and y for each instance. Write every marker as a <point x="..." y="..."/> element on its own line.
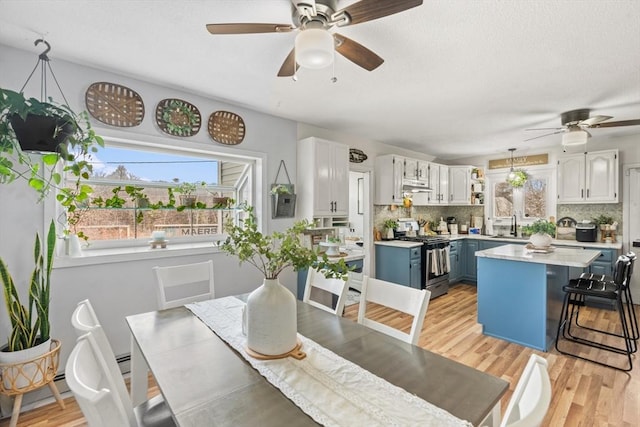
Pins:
<point x="632" y="222"/>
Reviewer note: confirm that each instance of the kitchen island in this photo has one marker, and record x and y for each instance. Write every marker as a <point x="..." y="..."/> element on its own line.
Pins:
<point x="520" y="291"/>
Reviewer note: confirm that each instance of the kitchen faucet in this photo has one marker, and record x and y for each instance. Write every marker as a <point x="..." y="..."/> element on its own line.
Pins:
<point x="514" y="225"/>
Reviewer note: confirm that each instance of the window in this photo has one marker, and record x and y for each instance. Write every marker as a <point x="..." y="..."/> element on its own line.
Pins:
<point x="140" y="189"/>
<point x="534" y="200"/>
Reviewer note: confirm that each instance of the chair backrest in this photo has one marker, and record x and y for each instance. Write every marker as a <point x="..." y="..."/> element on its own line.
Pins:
<point x="184" y="284"/>
<point x="531" y="397"/>
<point x="632" y="258"/>
<point x="621" y="270"/>
<point x="84" y="320"/>
<point x="338" y="287"/>
<point x="94" y="388"/>
<point x="398" y="297"/>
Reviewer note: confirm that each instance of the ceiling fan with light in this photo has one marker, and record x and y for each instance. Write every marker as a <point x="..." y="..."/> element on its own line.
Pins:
<point x="575" y="124"/>
<point x="315" y="43"/>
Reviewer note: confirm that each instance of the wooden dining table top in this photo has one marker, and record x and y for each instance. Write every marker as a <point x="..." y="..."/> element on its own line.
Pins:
<point x="203" y="379"/>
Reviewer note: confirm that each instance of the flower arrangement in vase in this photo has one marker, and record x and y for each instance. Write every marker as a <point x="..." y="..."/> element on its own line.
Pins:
<point x="271" y="321"/>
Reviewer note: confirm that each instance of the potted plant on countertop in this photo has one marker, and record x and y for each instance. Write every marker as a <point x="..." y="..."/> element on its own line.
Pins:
<point x="605" y="222"/>
<point x="271" y="322"/>
<point x="30" y="325"/>
<point x="542" y="233"/>
<point x="390" y="224"/>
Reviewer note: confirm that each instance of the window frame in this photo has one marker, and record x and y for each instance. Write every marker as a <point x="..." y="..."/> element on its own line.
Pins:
<point x="494" y="177"/>
<point x="103" y="251"/>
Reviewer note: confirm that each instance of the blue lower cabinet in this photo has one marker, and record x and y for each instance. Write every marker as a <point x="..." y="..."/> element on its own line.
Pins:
<point x="455" y="257"/>
<point x="470" y="247"/>
<point x="399" y="265"/>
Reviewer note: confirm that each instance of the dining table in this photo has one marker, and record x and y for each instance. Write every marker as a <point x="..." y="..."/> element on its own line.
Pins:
<point x="204" y="380"/>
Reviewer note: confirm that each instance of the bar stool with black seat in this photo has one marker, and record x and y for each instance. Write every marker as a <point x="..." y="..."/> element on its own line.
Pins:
<point x="576" y="291"/>
<point x="627" y="299"/>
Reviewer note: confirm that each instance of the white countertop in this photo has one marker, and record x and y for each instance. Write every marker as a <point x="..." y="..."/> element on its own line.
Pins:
<point x="598" y="245"/>
<point x="351" y="254"/>
<point x="398" y="243"/>
<point x="568" y="257"/>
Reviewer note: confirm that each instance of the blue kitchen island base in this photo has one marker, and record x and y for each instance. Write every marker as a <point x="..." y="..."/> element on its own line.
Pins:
<point x="520" y="302"/>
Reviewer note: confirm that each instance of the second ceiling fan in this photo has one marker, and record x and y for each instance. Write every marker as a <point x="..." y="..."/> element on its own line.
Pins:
<point x="575" y="124"/>
<point x="315" y="43"/>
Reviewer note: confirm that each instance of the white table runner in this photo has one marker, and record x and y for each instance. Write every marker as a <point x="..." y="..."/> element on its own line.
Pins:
<point x="331" y="390"/>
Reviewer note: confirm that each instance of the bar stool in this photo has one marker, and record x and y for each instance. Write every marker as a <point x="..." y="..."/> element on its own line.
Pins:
<point x="627" y="298"/>
<point x="614" y="290"/>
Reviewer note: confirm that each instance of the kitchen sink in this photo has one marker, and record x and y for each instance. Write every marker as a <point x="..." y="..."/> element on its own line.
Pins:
<point x="510" y="237"/>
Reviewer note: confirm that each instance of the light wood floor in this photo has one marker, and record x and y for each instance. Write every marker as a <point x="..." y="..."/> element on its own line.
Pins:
<point x="584" y="394"/>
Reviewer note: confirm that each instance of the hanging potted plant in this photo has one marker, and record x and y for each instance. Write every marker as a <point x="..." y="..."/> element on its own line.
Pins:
<point x="517" y="178"/>
<point x="271" y="309"/>
<point x="30" y="326"/>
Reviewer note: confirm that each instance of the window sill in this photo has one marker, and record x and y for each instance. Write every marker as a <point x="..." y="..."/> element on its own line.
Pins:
<point x="135" y="253"/>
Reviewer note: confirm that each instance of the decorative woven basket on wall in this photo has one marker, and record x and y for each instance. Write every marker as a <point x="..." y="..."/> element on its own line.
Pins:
<point x="177" y="117"/>
<point x="226" y="127"/>
<point x="114" y="104"/>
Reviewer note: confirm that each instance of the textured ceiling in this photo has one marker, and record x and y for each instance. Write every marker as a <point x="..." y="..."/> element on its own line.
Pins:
<point x="460" y="78"/>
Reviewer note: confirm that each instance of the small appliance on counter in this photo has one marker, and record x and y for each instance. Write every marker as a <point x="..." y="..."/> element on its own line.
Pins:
<point x="452" y="224"/>
<point x="566" y="228"/>
<point x="586" y="232"/>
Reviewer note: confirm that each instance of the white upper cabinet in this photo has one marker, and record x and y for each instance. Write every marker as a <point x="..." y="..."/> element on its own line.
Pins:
<point x="588" y="178"/>
<point x="389" y="174"/>
<point x="323" y="178"/>
<point x="460" y="185"/>
<point x="439" y="183"/>
<point x="411" y="169"/>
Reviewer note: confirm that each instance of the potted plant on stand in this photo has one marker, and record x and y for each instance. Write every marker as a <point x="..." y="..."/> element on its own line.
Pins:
<point x="271" y="321"/>
<point x="542" y="233"/>
<point x="30" y="358"/>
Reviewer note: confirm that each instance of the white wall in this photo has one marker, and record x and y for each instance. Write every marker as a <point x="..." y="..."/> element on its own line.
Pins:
<point x="118" y="290"/>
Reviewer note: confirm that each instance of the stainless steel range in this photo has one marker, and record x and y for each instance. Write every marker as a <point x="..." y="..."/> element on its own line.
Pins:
<point x="435" y="263"/>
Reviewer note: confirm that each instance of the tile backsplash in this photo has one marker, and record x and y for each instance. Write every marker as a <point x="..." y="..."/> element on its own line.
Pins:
<point x="464" y="213"/>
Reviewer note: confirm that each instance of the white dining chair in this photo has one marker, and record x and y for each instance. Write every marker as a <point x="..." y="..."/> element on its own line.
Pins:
<point x="90" y="379"/>
<point x="532" y="396"/>
<point x="183" y="284"/>
<point x="398" y="297"/>
<point x="334" y="286"/>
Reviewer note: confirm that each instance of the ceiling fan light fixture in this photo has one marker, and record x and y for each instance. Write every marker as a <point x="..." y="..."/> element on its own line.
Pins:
<point x="314" y="48"/>
<point x="575" y="137"/>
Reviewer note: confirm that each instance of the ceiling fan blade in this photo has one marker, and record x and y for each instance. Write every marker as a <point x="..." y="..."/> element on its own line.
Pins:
<point x="241" y="28"/>
<point x="357" y="53"/>
<point x="594" y="120"/>
<point x="545" y="129"/>
<point x="289" y="66"/>
<point x="368" y="10"/>
<point x="546" y="134"/>
<point x="618" y="123"/>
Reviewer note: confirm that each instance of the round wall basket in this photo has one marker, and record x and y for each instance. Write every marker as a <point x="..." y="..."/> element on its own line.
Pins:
<point x="177" y="117"/>
<point x="114" y="104"/>
<point x="226" y="128"/>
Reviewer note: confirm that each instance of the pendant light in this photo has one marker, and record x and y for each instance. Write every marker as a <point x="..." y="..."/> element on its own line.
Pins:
<point x="512" y="173"/>
<point x="517" y="177"/>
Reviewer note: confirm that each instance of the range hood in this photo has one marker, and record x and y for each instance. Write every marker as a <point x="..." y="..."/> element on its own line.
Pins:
<point x="413" y="186"/>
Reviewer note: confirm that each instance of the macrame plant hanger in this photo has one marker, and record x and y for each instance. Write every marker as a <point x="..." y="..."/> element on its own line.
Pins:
<point x="283" y="196"/>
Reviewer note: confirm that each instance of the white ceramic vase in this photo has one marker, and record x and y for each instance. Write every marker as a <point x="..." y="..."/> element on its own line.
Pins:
<point x="272" y="324"/>
<point x="390" y="234"/>
<point x="73" y="247"/>
<point x="540" y="240"/>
